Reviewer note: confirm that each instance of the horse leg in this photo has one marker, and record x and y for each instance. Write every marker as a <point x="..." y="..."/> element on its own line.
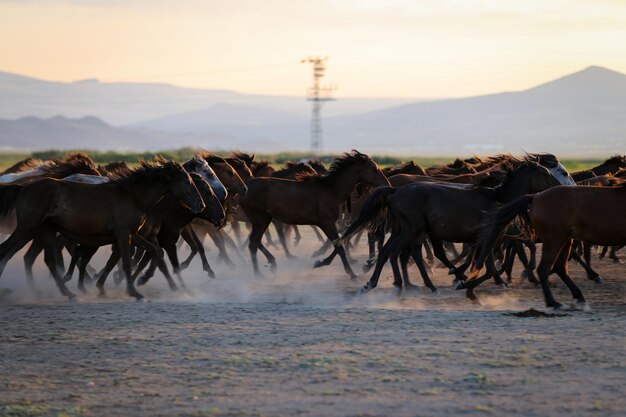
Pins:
<point x="318" y="234"/>
<point x="561" y="269"/>
<point x="237" y="231"/>
<point x="123" y="244"/>
<point x="429" y="252"/>
<point x="49" y="240"/>
<point x="115" y="256"/>
<point x="151" y="245"/>
<point x="36" y="247"/>
<point x="394" y="245"/>
<point x="371" y="258"/>
<point x="323" y="249"/>
<point x="169" y="247"/>
<point x="218" y="239"/>
<point x="260" y="223"/>
<point x="85" y="253"/>
<point x="613" y="254"/>
<point x="416" y="253"/>
<point x="331" y="233"/>
<point x="280" y="230"/>
<point x="440" y="253"/>
<point x="192" y="238"/>
<point x="16" y="241"/>
<point x="297" y="237"/>
<point x="404" y="265"/>
<point x="552" y="247"/>
<point x="591" y="273"/>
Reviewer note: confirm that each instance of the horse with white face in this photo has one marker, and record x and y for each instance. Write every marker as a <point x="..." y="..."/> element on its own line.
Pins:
<point x="200" y="166"/>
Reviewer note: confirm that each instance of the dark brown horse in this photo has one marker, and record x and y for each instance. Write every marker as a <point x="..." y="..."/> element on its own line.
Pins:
<point x="92" y="215"/>
<point x="593" y="214"/>
<point x="610" y="166"/>
<point x="443" y="212"/>
<point x="410" y="168"/>
<point x="313" y="200"/>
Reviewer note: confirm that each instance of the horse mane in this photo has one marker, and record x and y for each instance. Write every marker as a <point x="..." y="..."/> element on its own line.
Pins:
<point x="457" y="163"/>
<point x="546" y="159"/>
<point x="74" y="163"/>
<point x="318" y="166"/>
<point x="509" y="169"/>
<point x="156" y="170"/>
<point x="339" y="165"/>
<point x="294" y="168"/>
<point x="246" y="158"/>
<point x="211" y="158"/>
<point x="113" y="168"/>
<point x="23" y="165"/>
<point x="615" y="159"/>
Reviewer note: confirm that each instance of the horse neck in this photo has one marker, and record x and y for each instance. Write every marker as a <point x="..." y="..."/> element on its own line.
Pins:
<point x="607" y="167"/>
<point x="511" y="190"/>
<point x="345" y="182"/>
<point x="147" y="193"/>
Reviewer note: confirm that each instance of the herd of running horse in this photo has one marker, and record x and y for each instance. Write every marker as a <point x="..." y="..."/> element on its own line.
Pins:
<point x="497" y="207"/>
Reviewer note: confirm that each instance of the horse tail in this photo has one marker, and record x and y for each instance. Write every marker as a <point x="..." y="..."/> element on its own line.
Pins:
<point x="372" y="213"/>
<point x="493" y="225"/>
<point x="8" y="198"/>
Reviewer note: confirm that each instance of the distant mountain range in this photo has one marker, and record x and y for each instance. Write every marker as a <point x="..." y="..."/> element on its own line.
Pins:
<point x="580" y="114"/>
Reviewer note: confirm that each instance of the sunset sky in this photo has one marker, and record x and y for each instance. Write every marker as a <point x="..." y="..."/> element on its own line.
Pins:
<point x="382" y="48"/>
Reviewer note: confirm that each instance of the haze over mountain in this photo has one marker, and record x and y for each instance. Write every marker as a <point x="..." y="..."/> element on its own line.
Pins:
<point x="129" y="103"/>
<point x="582" y="113"/>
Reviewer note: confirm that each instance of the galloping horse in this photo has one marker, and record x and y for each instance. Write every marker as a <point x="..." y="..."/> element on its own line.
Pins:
<point x="311" y="200"/>
<point x="559" y="216"/>
<point x="444" y="212"/>
<point x="92" y="215"/>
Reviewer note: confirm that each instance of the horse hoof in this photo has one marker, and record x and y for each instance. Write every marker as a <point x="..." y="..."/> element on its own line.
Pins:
<point x="140" y="281"/>
<point x="397" y="291"/>
<point x="273" y="267"/>
<point x="560" y="307"/>
<point x="318" y="264"/>
<point x="503" y="286"/>
<point x="411" y="287"/>
<point x="139" y="298"/>
<point x="579" y="306"/>
<point x="452" y="271"/>
<point x="66" y="278"/>
<point x="435" y="291"/>
<point x="353" y="276"/>
<point x="211" y="274"/>
<point x="365" y="289"/>
<point x="82" y="290"/>
<point x="597" y="279"/>
<point x="457" y="284"/>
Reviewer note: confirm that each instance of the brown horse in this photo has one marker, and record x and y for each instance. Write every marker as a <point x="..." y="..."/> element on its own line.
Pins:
<point x="609" y="166"/>
<point x="92" y="215"/>
<point x="596" y="215"/>
<point x="410" y="168"/>
<point x="443" y="212"/>
<point x="312" y="200"/>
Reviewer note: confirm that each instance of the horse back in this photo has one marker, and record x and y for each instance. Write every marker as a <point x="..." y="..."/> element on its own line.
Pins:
<point x="593" y="214"/>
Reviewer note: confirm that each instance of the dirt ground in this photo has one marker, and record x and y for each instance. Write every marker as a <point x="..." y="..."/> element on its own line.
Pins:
<point x="301" y="342"/>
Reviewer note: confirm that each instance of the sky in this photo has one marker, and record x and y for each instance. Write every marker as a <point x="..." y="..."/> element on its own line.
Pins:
<point x="375" y="48"/>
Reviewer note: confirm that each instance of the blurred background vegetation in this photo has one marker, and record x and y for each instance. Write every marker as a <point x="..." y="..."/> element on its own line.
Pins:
<point x="277" y="159"/>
